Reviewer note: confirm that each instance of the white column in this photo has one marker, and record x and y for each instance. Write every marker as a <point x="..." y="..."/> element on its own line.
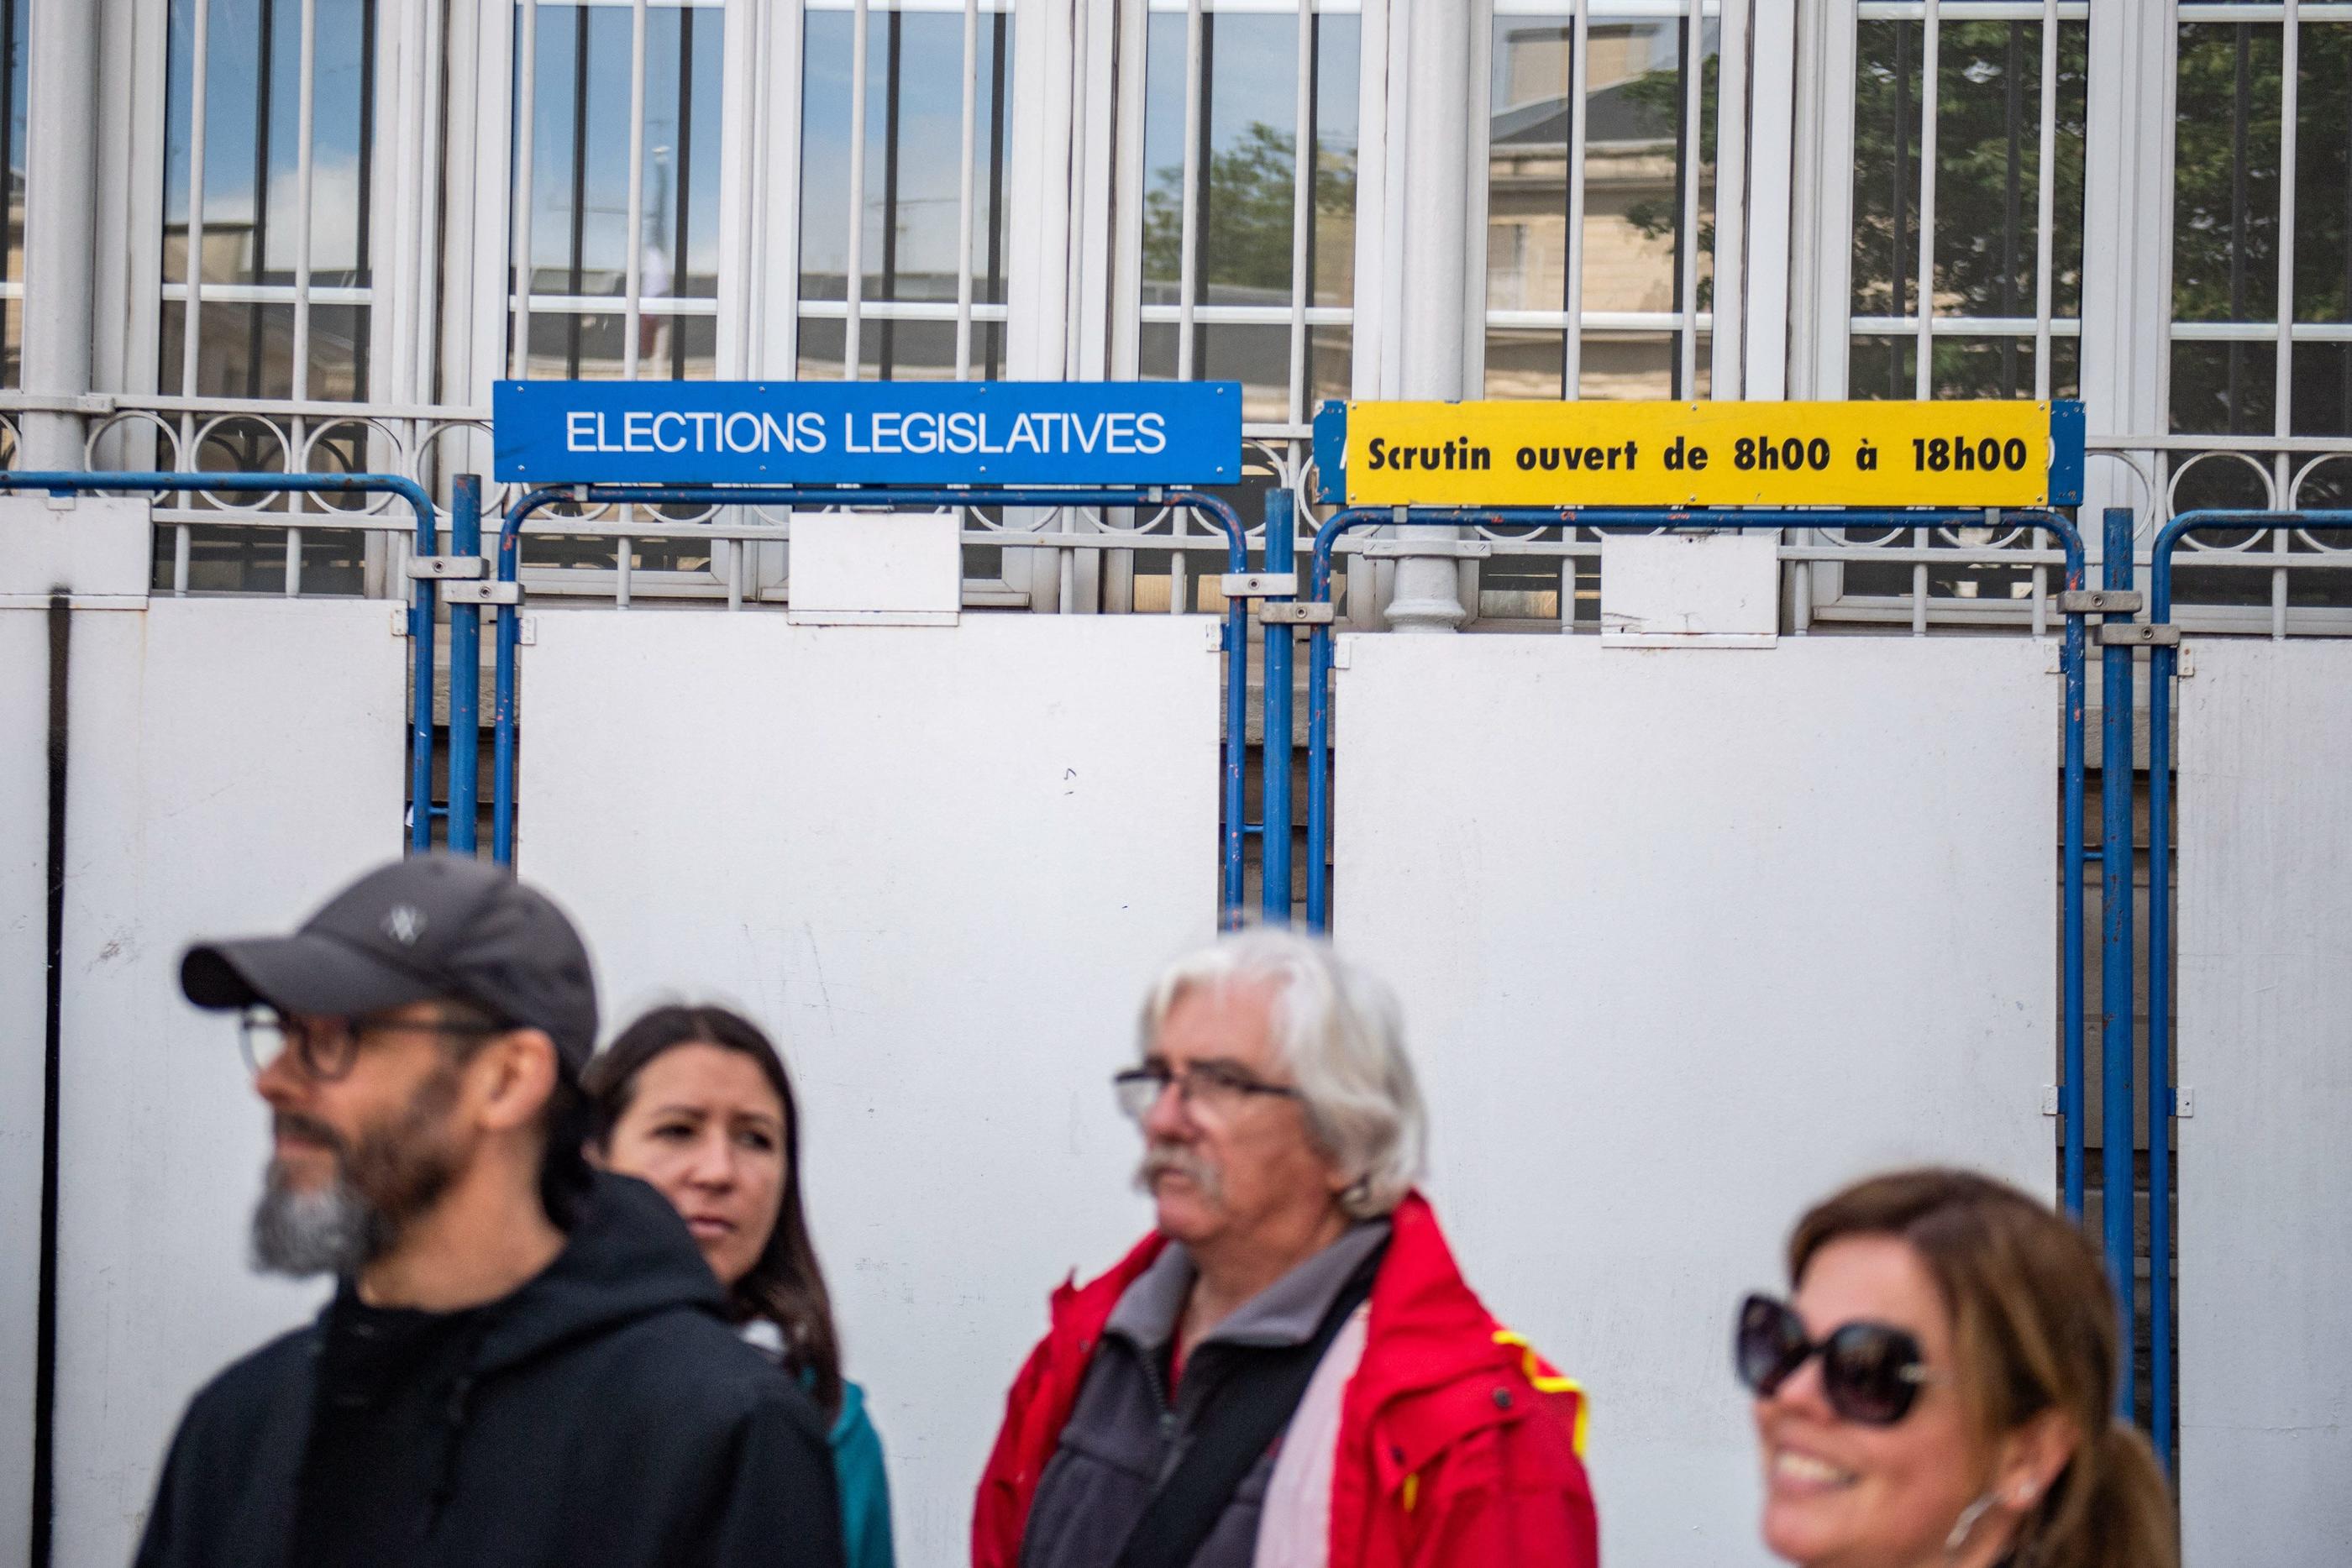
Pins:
<point x="1433" y="204"/>
<point x="60" y="213"/>
<point x="2127" y="222"/>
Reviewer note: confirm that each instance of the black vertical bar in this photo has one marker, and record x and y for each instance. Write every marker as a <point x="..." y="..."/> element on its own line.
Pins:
<point x="1682" y="185"/>
<point x="2238" y="216"/>
<point x="8" y="149"/>
<point x="996" y="186"/>
<point x="684" y="170"/>
<point x="255" y="312"/>
<point x="579" y="185"/>
<point x="1311" y="133"/>
<point x="1895" y="385"/>
<point x="362" y="337"/>
<point x="360" y="264"/>
<point x="894" y="57"/>
<point x="45" y="1331"/>
<point x="2011" y="218"/>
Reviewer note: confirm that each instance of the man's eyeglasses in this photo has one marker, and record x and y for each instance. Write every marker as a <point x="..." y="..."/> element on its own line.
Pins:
<point x="326" y="1048"/>
<point x="1209" y="1086"/>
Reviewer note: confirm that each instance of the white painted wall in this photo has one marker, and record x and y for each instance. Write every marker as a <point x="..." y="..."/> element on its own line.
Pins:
<point x="1685" y="939"/>
<point x="2265" y="1042"/>
<point x="233" y="762"/>
<point x="939" y="865"/>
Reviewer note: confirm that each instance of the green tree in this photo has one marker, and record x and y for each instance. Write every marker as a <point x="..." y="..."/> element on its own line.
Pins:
<point x="1247" y="189"/>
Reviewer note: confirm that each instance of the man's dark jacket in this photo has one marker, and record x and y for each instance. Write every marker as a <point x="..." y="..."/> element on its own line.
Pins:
<point x="603" y="1414"/>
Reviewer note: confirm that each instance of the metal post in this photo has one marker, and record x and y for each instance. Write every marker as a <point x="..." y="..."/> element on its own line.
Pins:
<point x="465" y="670"/>
<point x="1436" y="52"/>
<point x="62" y="195"/>
<point x="2116" y="925"/>
<point x="1274" y="812"/>
<point x="2071" y="920"/>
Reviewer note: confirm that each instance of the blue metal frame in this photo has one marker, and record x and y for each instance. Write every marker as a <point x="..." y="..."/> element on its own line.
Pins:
<point x="421" y="603"/>
<point x="1318" y="707"/>
<point x="2115" y="933"/>
<point x="509" y="624"/>
<point x="2163" y="666"/>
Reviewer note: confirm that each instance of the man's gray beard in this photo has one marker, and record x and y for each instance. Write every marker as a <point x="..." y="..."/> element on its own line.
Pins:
<point x="390" y="1175"/>
<point x="334" y="1230"/>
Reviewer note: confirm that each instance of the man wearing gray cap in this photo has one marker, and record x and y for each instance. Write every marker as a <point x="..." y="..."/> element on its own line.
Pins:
<point x="525" y="1360"/>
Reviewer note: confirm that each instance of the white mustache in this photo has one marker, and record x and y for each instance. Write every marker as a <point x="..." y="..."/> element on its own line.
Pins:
<point x="1163" y="1158"/>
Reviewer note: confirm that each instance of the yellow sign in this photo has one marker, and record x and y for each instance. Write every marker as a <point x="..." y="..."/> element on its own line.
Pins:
<point x="1983" y="454"/>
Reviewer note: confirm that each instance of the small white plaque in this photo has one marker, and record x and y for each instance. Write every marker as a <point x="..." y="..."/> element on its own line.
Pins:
<point x="875" y="568"/>
<point x="1690" y="590"/>
<point x="99" y="547"/>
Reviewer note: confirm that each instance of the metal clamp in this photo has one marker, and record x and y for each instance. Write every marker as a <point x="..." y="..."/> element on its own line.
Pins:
<point x="1257" y="584"/>
<point x="445" y="568"/>
<point x="2101" y="601"/>
<point x="2135" y="634"/>
<point x="482" y="594"/>
<point x="1394" y="549"/>
<point x="1294" y="615"/>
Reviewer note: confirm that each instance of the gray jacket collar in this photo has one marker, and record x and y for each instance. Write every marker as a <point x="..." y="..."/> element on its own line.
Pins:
<point x="1286" y="1312"/>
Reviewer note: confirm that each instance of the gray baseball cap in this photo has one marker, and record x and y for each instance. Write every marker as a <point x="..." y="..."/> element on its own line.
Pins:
<point x="432" y="926"/>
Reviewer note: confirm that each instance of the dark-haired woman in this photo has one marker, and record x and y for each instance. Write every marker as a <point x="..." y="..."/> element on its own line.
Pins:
<point x="1939" y="1389"/>
<point x="695" y="1101"/>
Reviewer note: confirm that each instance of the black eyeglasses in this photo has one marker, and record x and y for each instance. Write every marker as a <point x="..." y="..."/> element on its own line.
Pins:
<point x="326" y="1050"/>
<point x="1210" y="1086"/>
<point x="1870" y="1373"/>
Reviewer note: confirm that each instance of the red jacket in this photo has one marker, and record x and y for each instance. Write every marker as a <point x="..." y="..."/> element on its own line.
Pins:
<point x="1459" y="1448"/>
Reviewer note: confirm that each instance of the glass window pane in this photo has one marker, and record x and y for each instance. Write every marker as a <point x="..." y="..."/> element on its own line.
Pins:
<point x="1330" y="364"/>
<point x="1881" y="367"/>
<point x="342" y="123"/>
<point x="1635" y="365"/>
<point x="1331" y="237"/>
<point x="338" y="352"/>
<point x="2226" y="174"/>
<point x="1525" y="364"/>
<point x="913" y="163"/>
<point x="914" y="137"/>
<point x="1885" y="168"/>
<point x="556" y="109"/>
<point x="1636" y="121"/>
<point x="825" y="62"/>
<point x="1257" y="356"/>
<point x="600" y="222"/>
<point x="2224" y="389"/>
<point x="13" y="15"/>
<point x="1247" y="162"/>
<point x="2322" y="389"/>
<point x="1527" y="172"/>
<point x="2322" y="184"/>
<point x="1987" y="169"/>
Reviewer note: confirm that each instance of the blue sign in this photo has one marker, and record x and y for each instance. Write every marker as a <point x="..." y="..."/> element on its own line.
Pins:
<point x="868" y="433"/>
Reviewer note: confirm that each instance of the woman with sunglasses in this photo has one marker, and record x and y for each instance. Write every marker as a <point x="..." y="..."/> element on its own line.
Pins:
<point x="694" y="1101"/>
<point x="1939" y="1388"/>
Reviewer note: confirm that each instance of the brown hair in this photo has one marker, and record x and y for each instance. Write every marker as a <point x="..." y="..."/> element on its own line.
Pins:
<point x="2035" y="1329"/>
<point x="784" y="1284"/>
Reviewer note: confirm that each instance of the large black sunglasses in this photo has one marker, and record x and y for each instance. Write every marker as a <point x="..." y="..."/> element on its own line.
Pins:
<point x="1870" y="1373"/>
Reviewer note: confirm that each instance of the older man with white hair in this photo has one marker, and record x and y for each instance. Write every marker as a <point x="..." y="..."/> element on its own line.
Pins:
<point x="1289" y="1371"/>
